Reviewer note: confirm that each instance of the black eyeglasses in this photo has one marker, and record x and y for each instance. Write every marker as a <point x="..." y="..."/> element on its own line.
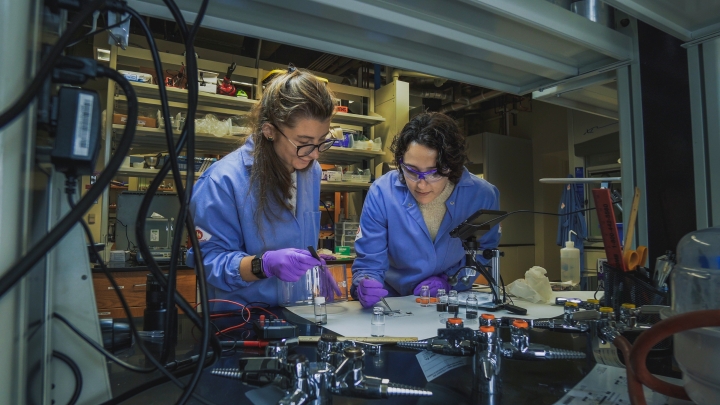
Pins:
<point x="305" y="150"/>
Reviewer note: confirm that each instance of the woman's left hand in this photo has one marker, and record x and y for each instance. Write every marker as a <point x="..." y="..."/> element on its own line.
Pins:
<point x="434" y="283"/>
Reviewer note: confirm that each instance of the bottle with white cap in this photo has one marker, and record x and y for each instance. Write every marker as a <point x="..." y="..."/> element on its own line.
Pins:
<point x="570" y="261"/>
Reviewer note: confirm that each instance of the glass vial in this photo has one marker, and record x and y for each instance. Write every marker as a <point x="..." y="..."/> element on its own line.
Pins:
<point x="453" y="303"/>
<point x="377" y="322"/>
<point x="425" y="296"/>
<point x="442" y="300"/>
<point x="471" y="307"/>
<point x="320" y="310"/>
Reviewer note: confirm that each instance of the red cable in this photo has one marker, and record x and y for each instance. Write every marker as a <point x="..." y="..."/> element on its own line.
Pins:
<point x="635" y="388"/>
<point x="263" y="309"/>
<point x="659" y="332"/>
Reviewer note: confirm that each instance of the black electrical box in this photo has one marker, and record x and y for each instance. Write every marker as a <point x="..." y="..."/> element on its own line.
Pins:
<point x="268" y="329"/>
<point x="77" y="131"/>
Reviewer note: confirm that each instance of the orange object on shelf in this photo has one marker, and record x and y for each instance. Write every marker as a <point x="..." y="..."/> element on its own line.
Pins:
<point x="341" y="109"/>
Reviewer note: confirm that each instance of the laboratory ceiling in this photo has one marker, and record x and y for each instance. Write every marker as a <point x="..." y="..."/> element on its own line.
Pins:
<point x="515" y="46"/>
<point x="685" y="19"/>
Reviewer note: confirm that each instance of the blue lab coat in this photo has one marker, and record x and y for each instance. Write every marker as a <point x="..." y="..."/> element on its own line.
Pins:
<point x="224" y="213"/>
<point x="394" y="245"/>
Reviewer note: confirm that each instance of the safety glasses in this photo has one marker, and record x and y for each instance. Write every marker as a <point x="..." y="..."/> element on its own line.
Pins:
<point x="305" y="150"/>
<point x="430" y="176"/>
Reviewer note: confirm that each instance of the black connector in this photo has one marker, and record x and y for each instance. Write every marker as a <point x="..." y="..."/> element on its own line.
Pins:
<point x="75" y="71"/>
<point x="77" y="131"/>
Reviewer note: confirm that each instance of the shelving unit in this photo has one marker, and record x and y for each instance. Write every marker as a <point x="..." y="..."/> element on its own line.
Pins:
<point x="152" y="140"/>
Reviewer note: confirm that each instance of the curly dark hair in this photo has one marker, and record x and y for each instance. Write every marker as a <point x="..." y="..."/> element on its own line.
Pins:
<point x="435" y="131"/>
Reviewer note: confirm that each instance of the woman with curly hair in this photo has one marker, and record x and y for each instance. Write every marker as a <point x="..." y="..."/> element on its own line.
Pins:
<point x="403" y="242"/>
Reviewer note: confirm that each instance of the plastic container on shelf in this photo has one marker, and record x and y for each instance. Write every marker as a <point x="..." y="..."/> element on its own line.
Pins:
<point x="695" y="282"/>
<point x="357" y="178"/>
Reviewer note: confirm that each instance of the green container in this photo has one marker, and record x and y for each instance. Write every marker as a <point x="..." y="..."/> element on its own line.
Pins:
<point x="342" y="250"/>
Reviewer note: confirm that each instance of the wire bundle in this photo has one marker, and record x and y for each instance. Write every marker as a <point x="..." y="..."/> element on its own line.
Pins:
<point x="186" y="139"/>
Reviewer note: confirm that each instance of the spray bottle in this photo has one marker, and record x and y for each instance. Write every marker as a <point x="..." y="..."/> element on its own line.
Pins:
<point x="570" y="261"/>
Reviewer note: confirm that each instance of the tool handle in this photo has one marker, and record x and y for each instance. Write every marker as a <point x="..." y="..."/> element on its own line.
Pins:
<point x="630" y="232"/>
<point x="313" y="252"/>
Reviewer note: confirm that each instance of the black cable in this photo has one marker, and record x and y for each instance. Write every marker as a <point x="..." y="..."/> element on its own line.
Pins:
<point x="101" y="349"/>
<point x="529" y="212"/>
<point x="76" y="372"/>
<point x="332" y="220"/>
<point x="97" y="31"/>
<point x="142" y="244"/>
<point x="188" y="131"/>
<point x="126" y="234"/>
<point x="48" y="63"/>
<point x="150" y="192"/>
<point x="35" y="253"/>
<point x="505" y="295"/>
<point x="150" y="384"/>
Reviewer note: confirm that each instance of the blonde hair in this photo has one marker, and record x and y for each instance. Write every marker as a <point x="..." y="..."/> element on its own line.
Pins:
<point x="295" y="95"/>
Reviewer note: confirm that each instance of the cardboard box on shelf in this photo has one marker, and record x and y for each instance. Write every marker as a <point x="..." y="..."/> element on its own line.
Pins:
<point x="121" y="119"/>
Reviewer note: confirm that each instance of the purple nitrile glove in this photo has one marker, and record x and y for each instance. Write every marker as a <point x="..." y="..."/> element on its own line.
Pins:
<point x="288" y="264"/>
<point x="434" y="283"/>
<point x="328" y="285"/>
<point x="327" y="257"/>
<point x="370" y="291"/>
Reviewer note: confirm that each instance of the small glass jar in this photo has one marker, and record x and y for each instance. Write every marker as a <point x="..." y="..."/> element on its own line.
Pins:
<point x="425" y="296"/>
<point x="320" y="310"/>
<point x="442" y="300"/>
<point x="377" y="322"/>
<point x="453" y="303"/>
<point x="471" y="307"/>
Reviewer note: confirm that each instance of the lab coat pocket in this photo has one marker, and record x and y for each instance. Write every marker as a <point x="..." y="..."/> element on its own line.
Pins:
<point x="311" y="228"/>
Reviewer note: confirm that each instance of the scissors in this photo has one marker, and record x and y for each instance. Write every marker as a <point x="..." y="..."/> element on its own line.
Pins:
<point x="632" y="259"/>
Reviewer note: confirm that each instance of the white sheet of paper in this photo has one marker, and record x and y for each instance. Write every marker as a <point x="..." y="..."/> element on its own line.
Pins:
<point x="351" y="319"/>
<point x="434" y="365"/>
<point x="607" y="385"/>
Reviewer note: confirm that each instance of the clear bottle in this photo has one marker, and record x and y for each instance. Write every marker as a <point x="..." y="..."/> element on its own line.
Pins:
<point x="442" y="302"/>
<point x="695" y="282"/>
<point x="570" y="262"/>
<point x="471" y="307"/>
<point x="425" y="296"/>
<point x="377" y="322"/>
<point x="320" y="310"/>
<point x="453" y="303"/>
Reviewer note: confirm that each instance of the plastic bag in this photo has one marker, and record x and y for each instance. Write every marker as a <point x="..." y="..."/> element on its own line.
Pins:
<point x="210" y="124"/>
<point x="535" y="287"/>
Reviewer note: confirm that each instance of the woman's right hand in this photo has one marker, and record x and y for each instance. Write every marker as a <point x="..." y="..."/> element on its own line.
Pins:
<point x="288" y="264"/>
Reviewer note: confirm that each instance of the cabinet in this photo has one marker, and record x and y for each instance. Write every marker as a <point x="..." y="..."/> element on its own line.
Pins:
<point x="151" y="141"/>
<point x="132" y="284"/>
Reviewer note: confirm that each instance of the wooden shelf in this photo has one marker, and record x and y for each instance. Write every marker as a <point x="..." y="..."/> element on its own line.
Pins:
<point x="357" y="119"/>
<point x="179" y="96"/>
<point x="113" y="187"/>
<point x="348" y="156"/>
<point x="137" y="172"/>
<point x="343" y="186"/>
<point x="152" y="140"/>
